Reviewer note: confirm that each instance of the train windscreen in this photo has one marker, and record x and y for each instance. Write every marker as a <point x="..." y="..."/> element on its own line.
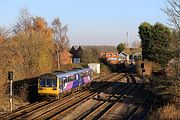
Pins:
<point x="48" y="83"/>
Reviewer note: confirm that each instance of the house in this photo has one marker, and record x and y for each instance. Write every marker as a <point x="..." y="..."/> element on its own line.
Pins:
<point x="136" y="55"/>
<point x="112" y="57"/>
<point x="123" y="57"/>
<point x="62" y="58"/>
<point x="110" y="53"/>
<point x="76" y="54"/>
<point x="65" y="57"/>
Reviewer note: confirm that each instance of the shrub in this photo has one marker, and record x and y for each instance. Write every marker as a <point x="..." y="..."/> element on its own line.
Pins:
<point x="168" y="112"/>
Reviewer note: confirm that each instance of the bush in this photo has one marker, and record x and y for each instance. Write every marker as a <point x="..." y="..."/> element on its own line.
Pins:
<point x="168" y="112"/>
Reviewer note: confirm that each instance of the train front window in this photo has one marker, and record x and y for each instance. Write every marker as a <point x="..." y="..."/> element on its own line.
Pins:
<point x="42" y="83"/>
<point x="54" y="83"/>
<point x="48" y="83"/>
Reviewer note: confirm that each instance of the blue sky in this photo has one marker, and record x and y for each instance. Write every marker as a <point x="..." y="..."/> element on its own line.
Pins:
<point x="90" y="22"/>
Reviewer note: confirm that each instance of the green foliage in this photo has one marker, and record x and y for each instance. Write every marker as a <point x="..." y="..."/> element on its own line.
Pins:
<point x="120" y="47"/>
<point x="156" y="40"/>
<point x="145" y="36"/>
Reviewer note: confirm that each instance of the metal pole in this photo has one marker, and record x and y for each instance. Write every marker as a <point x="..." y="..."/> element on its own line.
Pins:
<point x="58" y="60"/>
<point x="11" y="95"/>
<point x="57" y="51"/>
<point x="142" y="74"/>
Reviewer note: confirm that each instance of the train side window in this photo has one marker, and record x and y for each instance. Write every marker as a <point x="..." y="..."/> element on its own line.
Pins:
<point x="69" y="78"/>
<point x="66" y="80"/>
<point x="91" y="74"/>
<point x="77" y="76"/>
<point x="85" y="74"/>
<point x="82" y="74"/>
<point x="73" y="77"/>
<point x="63" y="81"/>
<point x="60" y="82"/>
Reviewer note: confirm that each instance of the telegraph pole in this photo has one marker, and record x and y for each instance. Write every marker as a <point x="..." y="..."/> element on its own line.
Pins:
<point x="127" y="40"/>
<point x="58" y="55"/>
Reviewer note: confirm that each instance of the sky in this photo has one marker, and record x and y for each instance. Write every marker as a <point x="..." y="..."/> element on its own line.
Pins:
<point x="90" y="22"/>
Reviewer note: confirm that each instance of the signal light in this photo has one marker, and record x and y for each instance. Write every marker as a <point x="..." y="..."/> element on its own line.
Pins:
<point x="10" y="75"/>
<point x="142" y="65"/>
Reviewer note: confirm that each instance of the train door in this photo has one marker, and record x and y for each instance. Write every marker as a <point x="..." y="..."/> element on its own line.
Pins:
<point x="62" y="84"/>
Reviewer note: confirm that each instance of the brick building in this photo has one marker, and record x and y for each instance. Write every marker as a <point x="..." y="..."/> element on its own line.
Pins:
<point x="112" y="57"/>
<point x="64" y="58"/>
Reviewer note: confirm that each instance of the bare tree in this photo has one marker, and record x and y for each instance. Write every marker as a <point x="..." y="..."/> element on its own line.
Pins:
<point x="24" y="21"/>
<point x="4" y="34"/>
<point x="60" y="38"/>
<point x="136" y="44"/>
<point x="60" y="34"/>
<point x="172" y="10"/>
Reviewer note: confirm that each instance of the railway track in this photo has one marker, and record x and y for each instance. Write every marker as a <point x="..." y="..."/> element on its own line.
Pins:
<point x="33" y="109"/>
<point x="65" y="107"/>
<point x="99" y="110"/>
<point x="141" y="112"/>
<point x="69" y="110"/>
<point x="133" y="106"/>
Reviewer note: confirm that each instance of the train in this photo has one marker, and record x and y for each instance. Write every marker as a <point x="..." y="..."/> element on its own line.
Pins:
<point x="59" y="83"/>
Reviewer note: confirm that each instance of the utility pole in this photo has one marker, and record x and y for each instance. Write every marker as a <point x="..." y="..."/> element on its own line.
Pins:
<point x="57" y="53"/>
<point x="127" y="45"/>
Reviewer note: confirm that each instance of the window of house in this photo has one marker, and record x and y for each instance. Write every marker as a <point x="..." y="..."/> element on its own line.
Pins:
<point x="110" y="55"/>
<point x="115" y="55"/>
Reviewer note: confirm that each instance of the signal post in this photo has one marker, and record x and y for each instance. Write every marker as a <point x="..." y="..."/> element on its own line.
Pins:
<point x="10" y="77"/>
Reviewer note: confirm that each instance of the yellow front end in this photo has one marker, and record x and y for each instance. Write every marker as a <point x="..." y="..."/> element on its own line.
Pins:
<point x="48" y="85"/>
<point x="49" y="91"/>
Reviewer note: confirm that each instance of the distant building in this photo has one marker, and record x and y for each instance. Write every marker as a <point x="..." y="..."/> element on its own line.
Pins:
<point x="65" y="57"/>
<point x="136" y="55"/>
<point x="112" y="57"/>
<point x="76" y="54"/>
<point x="123" y="57"/>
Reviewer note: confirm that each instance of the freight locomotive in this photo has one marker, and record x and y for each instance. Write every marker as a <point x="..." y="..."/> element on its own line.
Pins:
<point x="61" y="82"/>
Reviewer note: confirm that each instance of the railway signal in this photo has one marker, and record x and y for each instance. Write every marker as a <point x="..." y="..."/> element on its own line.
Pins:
<point x="10" y="77"/>
<point x="143" y="70"/>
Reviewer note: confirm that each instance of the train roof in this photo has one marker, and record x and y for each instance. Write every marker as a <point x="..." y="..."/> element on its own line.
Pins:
<point x="69" y="73"/>
<point x="83" y="69"/>
<point x="60" y="74"/>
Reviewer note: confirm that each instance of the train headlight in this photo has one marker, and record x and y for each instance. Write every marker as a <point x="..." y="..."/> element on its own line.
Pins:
<point x="40" y="88"/>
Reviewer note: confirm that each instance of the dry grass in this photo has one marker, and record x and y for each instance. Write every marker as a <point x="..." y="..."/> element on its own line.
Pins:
<point x="18" y="101"/>
<point x="5" y="104"/>
<point x="168" y="112"/>
<point x="105" y="69"/>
